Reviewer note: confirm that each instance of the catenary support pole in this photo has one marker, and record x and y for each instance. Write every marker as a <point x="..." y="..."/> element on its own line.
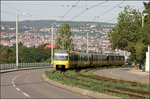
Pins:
<point x="52" y="47"/>
<point x="17" y="41"/>
<point x="87" y="42"/>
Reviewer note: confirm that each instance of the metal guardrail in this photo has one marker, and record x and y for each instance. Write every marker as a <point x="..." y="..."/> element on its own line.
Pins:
<point x="22" y="65"/>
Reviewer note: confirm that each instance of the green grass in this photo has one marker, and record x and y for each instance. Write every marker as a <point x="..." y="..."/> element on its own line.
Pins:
<point x="56" y="76"/>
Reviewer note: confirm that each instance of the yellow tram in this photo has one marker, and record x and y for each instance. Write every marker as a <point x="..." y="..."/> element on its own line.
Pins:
<point x="72" y="59"/>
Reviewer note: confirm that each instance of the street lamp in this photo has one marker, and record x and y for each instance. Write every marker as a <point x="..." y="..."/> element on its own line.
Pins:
<point x="52" y="41"/>
<point x="17" y="37"/>
<point x="87" y="42"/>
<point x="52" y="46"/>
<point x="143" y="18"/>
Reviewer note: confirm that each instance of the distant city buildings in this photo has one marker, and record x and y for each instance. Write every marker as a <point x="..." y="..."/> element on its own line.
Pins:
<point x="31" y="36"/>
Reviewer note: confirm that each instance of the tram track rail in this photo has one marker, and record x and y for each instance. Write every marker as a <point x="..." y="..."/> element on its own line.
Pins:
<point x="113" y="80"/>
<point x="132" y="93"/>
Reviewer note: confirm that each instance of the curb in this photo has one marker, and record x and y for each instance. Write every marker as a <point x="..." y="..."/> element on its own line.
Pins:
<point x="75" y="89"/>
<point x="20" y="69"/>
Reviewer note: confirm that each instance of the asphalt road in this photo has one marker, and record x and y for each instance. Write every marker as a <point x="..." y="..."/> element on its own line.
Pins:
<point x="125" y="73"/>
<point x="28" y="84"/>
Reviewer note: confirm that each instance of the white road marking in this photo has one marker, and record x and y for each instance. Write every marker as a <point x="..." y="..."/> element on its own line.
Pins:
<point x="15" y="85"/>
<point x="18" y="89"/>
<point x="26" y="95"/>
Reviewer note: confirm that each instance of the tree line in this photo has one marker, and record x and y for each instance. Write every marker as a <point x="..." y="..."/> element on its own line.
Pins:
<point x="130" y="35"/>
<point x="26" y="54"/>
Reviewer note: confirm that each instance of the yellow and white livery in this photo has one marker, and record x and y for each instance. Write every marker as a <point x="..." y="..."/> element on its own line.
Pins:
<point x="72" y="59"/>
<point x="61" y="60"/>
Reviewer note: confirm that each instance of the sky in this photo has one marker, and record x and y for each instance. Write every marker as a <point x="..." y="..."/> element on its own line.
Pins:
<point x="98" y="11"/>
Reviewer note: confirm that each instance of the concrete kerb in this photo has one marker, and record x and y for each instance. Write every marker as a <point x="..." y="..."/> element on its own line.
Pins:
<point x="20" y="69"/>
<point x="75" y="89"/>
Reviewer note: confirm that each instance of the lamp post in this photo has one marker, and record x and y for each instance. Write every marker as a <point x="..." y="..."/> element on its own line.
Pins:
<point x="17" y="38"/>
<point x="87" y="42"/>
<point x="52" y="46"/>
<point x="142" y="18"/>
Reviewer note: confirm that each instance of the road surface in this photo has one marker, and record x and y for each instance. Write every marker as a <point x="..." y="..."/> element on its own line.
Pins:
<point x="28" y="84"/>
<point x="124" y="73"/>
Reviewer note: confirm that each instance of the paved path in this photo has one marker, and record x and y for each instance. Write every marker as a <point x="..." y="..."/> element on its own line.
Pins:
<point x="125" y="73"/>
<point x="28" y="84"/>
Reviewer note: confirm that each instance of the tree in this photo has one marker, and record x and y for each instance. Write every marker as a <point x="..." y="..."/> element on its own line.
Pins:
<point x="127" y="32"/>
<point x="147" y="7"/>
<point x="63" y="40"/>
<point x="5" y="57"/>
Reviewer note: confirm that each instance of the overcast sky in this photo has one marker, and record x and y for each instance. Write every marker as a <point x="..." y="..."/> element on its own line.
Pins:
<point x="100" y="11"/>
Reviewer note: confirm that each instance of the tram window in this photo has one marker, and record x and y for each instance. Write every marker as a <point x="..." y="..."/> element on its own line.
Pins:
<point x="79" y="57"/>
<point x="112" y="58"/>
<point x="107" y="58"/>
<point x="100" y="58"/>
<point x="75" y="57"/>
<point x="103" y="58"/>
<point x="122" y="58"/>
<point x="118" y="58"/>
<point x="96" y="57"/>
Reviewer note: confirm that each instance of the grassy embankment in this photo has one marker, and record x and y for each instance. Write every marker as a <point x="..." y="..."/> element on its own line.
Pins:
<point x="56" y="76"/>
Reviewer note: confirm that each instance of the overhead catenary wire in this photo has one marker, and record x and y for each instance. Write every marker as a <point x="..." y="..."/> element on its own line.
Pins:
<point x="117" y="17"/>
<point x="18" y="10"/>
<point x="8" y="13"/>
<point x="107" y="11"/>
<point x="70" y="10"/>
<point x="86" y="10"/>
<point x="40" y="4"/>
<point x="71" y="6"/>
<point x="111" y="20"/>
<point x="13" y="8"/>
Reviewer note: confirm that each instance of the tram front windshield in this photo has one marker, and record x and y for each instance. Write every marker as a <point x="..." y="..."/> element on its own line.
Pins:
<point x="61" y="56"/>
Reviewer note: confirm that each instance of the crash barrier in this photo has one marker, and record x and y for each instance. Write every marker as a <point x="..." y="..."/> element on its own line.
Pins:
<point x="22" y="65"/>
